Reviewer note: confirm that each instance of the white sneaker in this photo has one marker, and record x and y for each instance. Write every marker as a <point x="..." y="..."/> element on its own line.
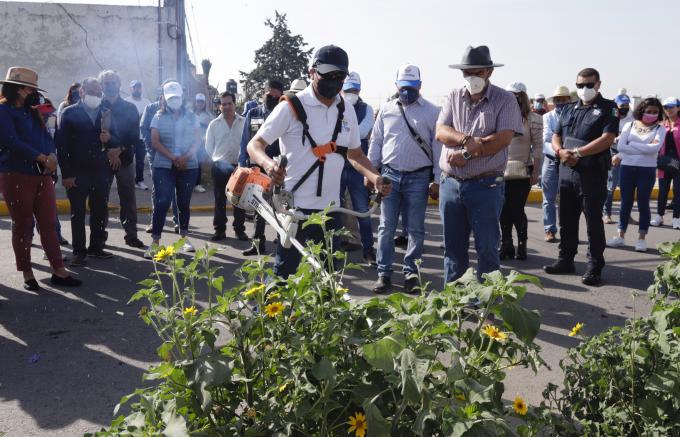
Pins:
<point x="676" y="223"/>
<point x="616" y="242"/>
<point x="141" y="186"/>
<point x="657" y="220"/>
<point x="641" y="246"/>
<point x="199" y="189"/>
<point x="188" y="247"/>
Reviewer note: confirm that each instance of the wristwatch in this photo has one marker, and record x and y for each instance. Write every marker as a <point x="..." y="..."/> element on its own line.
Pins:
<point x="466" y="155"/>
<point x="577" y="152"/>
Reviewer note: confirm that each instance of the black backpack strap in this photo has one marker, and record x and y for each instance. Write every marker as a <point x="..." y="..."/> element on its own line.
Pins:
<point x="300" y="113"/>
<point x="416" y="136"/>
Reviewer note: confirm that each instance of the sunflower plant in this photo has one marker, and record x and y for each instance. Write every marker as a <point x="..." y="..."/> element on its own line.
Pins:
<point x="298" y="357"/>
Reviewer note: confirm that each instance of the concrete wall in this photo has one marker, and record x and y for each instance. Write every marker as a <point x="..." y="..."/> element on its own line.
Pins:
<point x="43" y="37"/>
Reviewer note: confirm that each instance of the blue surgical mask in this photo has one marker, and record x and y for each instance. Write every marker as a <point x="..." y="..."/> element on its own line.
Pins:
<point x="538" y="105"/>
<point x="559" y="108"/>
<point x="408" y="95"/>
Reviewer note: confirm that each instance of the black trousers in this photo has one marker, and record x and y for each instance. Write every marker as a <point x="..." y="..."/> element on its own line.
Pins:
<point x="513" y="214"/>
<point x="582" y="191"/>
<point x="221" y="172"/>
<point x="664" y="189"/>
<point x="95" y="188"/>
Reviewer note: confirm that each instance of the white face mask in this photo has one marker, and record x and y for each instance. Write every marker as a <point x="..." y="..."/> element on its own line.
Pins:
<point x="586" y="94"/>
<point x="174" y="103"/>
<point x="351" y="98"/>
<point x="474" y="84"/>
<point x="91" y="101"/>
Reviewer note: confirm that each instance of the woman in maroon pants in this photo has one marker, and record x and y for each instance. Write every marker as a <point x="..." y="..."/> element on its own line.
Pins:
<point x="27" y="161"/>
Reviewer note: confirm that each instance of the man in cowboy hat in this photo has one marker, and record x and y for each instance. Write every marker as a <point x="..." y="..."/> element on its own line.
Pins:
<point x="551" y="164"/>
<point x="476" y="125"/>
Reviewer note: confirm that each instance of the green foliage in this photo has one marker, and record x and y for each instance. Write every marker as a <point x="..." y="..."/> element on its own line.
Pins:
<point x="300" y="357"/>
<point x="282" y="57"/>
<point x="626" y="381"/>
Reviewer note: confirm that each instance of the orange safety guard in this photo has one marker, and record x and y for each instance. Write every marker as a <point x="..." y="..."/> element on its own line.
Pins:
<point x="243" y="176"/>
<point x="321" y="151"/>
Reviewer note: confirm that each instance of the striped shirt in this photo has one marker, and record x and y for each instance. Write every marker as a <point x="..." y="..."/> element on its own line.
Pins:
<point x="496" y="111"/>
<point x="392" y="143"/>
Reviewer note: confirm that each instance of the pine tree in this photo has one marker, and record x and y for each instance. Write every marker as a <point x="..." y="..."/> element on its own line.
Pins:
<point x="283" y="57"/>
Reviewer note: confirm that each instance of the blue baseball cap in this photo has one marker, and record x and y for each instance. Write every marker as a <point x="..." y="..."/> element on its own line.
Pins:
<point x="622" y="99"/>
<point x="352" y="82"/>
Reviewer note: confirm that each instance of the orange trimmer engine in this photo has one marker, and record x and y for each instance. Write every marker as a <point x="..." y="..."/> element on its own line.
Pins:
<point x="241" y="179"/>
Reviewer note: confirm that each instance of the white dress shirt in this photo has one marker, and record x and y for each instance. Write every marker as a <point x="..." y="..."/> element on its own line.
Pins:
<point x="223" y="143"/>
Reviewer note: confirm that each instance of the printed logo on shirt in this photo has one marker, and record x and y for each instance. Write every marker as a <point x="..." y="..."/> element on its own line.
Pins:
<point x="345" y="126"/>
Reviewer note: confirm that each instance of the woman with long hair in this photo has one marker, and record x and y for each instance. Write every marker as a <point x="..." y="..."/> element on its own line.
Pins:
<point x="72" y="97"/>
<point x="638" y="147"/>
<point x="175" y="136"/>
<point x="670" y="148"/>
<point x="525" y="155"/>
<point x="27" y="162"/>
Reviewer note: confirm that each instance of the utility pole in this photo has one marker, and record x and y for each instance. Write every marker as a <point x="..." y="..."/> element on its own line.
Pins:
<point x="181" y="41"/>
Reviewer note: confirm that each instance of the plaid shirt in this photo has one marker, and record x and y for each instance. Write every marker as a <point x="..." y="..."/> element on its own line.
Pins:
<point x="496" y="111"/>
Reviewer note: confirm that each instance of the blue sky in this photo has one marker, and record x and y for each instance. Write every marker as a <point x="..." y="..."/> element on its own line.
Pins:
<point x="542" y="43"/>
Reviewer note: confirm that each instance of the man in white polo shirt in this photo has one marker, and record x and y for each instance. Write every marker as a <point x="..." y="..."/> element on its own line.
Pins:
<point x="314" y="182"/>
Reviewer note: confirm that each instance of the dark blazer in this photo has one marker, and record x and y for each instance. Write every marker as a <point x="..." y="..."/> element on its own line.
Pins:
<point x="78" y="146"/>
<point x="126" y="119"/>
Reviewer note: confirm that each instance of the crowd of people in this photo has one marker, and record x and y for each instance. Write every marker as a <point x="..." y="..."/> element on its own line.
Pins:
<point x="478" y="155"/>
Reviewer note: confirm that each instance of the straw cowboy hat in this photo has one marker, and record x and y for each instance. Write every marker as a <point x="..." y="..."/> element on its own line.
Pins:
<point x="22" y="76"/>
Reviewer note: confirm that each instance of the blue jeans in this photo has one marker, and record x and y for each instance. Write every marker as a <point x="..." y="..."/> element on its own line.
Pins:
<point x="550" y="178"/>
<point x="168" y="183"/>
<point x="641" y="180"/>
<point x="353" y="181"/>
<point x="472" y="205"/>
<point x="612" y="182"/>
<point x="409" y="195"/>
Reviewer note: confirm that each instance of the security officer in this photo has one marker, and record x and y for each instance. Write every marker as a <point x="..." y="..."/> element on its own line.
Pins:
<point x="584" y="134"/>
<point x="255" y="117"/>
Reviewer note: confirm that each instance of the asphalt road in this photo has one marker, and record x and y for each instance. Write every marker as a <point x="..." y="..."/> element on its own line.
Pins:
<point x="66" y="358"/>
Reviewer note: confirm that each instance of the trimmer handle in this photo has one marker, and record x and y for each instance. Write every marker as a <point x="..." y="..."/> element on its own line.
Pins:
<point x="281" y="161"/>
<point x="378" y="197"/>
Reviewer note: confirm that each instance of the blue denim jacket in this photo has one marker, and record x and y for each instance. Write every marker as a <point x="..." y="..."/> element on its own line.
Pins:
<point x="176" y="135"/>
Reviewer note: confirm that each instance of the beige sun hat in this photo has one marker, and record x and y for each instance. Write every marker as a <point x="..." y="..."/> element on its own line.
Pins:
<point x="561" y="91"/>
<point x="22" y="76"/>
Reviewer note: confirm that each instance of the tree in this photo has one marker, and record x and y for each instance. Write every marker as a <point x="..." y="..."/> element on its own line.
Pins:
<point x="283" y="57"/>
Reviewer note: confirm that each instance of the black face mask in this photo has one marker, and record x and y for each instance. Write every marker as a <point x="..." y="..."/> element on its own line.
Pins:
<point x="329" y="88"/>
<point x="270" y="102"/>
<point x="623" y="112"/>
<point x="32" y="99"/>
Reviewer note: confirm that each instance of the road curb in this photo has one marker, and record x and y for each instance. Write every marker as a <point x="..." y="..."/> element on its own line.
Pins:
<point x="64" y="207"/>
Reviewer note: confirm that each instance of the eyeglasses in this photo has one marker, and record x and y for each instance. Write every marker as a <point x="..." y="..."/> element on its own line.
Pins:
<point x="334" y="75"/>
<point x="586" y="85"/>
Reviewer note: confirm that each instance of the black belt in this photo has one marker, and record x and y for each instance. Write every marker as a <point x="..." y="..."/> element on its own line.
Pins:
<point x="552" y="158"/>
<point x="477" y="177"/>
<point x="427" y="167"/>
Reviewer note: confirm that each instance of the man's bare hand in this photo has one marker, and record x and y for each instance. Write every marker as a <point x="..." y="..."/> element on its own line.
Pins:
<point x="50" y="164"/>
<point x="104" y="137"/>
<point x="68" y="183"/>
<point x="616" y="160"/>
<point x="276" y="172"/>
<point x="455" y="159"/>
<point x="382" y="187"/>
<point x="434" y="191"/>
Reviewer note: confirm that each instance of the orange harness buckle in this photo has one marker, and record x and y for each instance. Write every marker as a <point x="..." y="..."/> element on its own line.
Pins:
<point x="321" y="151"/>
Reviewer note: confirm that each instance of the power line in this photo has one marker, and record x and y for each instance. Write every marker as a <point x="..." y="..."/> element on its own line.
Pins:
<point x="198" y="33"/>
<point x="84" y="31"/>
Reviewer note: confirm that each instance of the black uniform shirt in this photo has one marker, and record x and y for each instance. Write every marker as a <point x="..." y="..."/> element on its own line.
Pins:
<point x="587" y="123"/>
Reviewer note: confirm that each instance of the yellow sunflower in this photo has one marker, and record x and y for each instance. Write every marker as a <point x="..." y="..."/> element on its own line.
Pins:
<point x="282" y="387"/>
<point x="342" y="290"/>
<point x="164" y="253"/>
<point x="357" y="424"/>
<point x="520" y="406"/>
<point x="190" y="311"/>
<point x="254" y="290"/>
<point x="576" y="329"/>
<point x="273" y="309"/>
<point x="494" y="333"/>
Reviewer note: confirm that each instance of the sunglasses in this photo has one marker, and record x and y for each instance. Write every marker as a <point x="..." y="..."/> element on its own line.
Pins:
<point x="585" y="85"/>
<point x="334" y="75"/>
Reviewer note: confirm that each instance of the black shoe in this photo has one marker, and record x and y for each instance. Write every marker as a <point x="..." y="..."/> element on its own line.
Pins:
<point x="176" y="229"/>
<point x="507" y="250"/>
<point x="78" y="260"/>
<point x="411" y="285"/>
<point x="242" y="236"/>
<point x="99" y="253"/>
<point x="521" y="250"/>
<point x="369" y="257"/>
<point x="134" y="242"/>
<point x="254" y="250"/>
<point x="218" y="236"/>
<point x="349" y="246"/>
<point x="106" y="237"/>
<point x="401" y="241"/>
<point x="382" y="285"/>
<point x="63" y="241"/>
<point x="591" y="277"/>
<point x="148" y="229"/>
<point x="560" y="267"/>
<point x="31" y="285"/>
<point x="68" y="281"/>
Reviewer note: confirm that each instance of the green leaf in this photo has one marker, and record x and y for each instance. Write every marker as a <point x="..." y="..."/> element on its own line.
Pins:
<point x="515" y="277"/>
<point x="323" y="369"/>
<point x="218" y="283"/>
<point x="382" y="353"/>
<point x="523" y="322"/>
<point x="378" y="426"/>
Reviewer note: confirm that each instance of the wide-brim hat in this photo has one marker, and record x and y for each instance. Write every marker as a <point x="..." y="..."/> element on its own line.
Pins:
<point x="22" y="76"/>
<point x="475" y="57"/>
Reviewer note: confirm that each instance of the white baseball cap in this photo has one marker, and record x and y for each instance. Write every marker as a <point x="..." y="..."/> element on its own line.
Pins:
<point x="352" y="82"/>
<point x="408" y="76"/>
<point x="172" y="89"/>
<point x="539" y="96"/>
<point x="671" y="102"/>
<point x="516" y="87"/>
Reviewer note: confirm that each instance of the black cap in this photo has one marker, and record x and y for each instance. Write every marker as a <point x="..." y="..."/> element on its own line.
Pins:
<point x="330" y="58"/>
